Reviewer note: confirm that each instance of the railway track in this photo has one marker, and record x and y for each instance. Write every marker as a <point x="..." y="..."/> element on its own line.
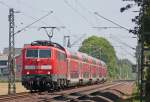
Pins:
<point x="12" y="97"/>
<point x="67" y="95"/>
<point x="77" y="95"/>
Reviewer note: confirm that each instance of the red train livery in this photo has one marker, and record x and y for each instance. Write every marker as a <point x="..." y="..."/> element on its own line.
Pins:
<point x="47" y="65"/>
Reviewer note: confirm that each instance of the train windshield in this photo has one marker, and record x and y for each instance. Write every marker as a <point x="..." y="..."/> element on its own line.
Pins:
<point x="38" y="53"/>
<point x="32" y="53"/>
<point x="44" y="53"/>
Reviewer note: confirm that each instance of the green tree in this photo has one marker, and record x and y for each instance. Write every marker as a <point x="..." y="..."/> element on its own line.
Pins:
<point x="125" y="69"/>
<point x="142" y="20"/>
<point x="143" y="29"/>
<point x="100" y="48"/>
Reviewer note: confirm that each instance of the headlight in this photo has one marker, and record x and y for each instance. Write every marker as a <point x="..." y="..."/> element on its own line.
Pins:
<point x="49" y="73"/>
<point x="46" y="67"/>
<point x="29" y="67"/>
<point x="28" y="73"/>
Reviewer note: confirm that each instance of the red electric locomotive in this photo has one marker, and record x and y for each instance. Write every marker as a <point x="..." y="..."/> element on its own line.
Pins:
<point x="47" y="65"/>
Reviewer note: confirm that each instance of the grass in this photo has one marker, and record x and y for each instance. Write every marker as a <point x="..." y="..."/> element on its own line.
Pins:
<point x="6" y="81"/>
<point x="135" y="96"/>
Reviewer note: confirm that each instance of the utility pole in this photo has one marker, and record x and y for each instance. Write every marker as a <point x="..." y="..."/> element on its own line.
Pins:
<point x="11" y="56"/>
<point x="68" y="42"/>
<point x="141" y="68"/>
<point x="143" y="64"/>
<point x="50" y="35"/>
<point x="138" y="63"/>
<point x="120" y="69"/>
<point x="142" y="60"/>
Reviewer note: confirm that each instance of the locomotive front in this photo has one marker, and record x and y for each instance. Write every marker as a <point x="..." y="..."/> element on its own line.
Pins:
<point x="37" y="67"/>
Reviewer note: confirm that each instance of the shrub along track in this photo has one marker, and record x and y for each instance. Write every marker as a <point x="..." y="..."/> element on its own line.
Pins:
<point x="91" y="93"/>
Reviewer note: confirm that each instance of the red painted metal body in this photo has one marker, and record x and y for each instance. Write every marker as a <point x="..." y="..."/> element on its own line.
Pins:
<point x="63" y="65"/>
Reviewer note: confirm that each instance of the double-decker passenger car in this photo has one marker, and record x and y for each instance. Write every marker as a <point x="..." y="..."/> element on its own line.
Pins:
<point x="47" y="65"/>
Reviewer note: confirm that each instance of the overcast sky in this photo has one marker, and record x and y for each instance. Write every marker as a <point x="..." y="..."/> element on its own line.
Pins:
<point x="78" y="18"/>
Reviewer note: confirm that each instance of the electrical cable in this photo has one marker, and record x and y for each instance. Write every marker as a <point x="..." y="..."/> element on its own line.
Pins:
<point x="75" y="10"/>
<point x="78" y="40"/>
<point x="122" y="48"/>
<point x="4" y="4"/>
<point x="40" y="10"/>
<point x="96" y="13"/>
<point x="33" y="23"/>
<point x="31" y="7"/>
<point x="34" y="18"/>
<point x="80" y="4"/>
<point x="83" y="7"/>
<point x="118" y="40"/>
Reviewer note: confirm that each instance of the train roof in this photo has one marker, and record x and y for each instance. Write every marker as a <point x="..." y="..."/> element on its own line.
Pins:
<point x="46" y="43"/>
<point x="82" y="56"/>
<point x="70" y="53"/>
<point x="103" y="63"/>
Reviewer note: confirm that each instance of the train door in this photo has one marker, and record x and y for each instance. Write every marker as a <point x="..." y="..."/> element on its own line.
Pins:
<point x="68" y="69"/>
<point x="61" y="65"/>
<point x="80" y="71"/>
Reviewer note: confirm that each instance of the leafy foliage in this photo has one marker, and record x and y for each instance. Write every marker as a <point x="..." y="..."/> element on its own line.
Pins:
<point x="142" y="21"/>
<point x="143" y="29"/>
<point x="100" y="48"/>
<point x="125" y="69"/>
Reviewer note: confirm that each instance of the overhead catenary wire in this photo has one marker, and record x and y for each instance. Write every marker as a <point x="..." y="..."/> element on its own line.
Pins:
<point x="127" y="52"/>
<point x="4" y="4"/>
<point x="8" y="6"/>
<point x="34" y="18"/>
<point x="84" y="8"/>
<point x="116" y="40"/>
<point x="33" y="23"/>
<point x="70" y="5"/>
<point x="41" y="10"/>
<point x="31" y="7"/>
<point x="55" y="17"/>
<point x="58" y="20"/>
<point x="118" y="25"/>
<point x="106" y="27"/>
<point x="75" y="10"/>
<point x="78" y="40"/>
<point x="96" y="13"/>
<point x="120" y="41"/>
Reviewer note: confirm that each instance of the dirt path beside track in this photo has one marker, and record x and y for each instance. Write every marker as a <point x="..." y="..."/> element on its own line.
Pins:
<point x="4" y="88"/>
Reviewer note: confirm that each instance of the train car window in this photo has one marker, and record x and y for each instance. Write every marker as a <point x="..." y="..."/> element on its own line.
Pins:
<point x="85" y="75"/>
<point x="32" y="53"/>
<point x="81" y="65"/>
<point x="44" y="53"/>
<point x="61" y="56"/>
<point x="94" y="75"/>
<point x="74" y="75"/>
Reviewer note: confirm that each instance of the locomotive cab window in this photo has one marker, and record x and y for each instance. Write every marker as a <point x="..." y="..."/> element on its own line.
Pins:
<point x="38" y="53"/>
<point x="31" y="53"/>
<point x="44" y="53"/>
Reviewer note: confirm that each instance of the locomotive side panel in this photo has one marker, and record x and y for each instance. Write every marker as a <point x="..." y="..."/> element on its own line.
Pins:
<point x="60" y="65"/>
<point x="74" y="71"/>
